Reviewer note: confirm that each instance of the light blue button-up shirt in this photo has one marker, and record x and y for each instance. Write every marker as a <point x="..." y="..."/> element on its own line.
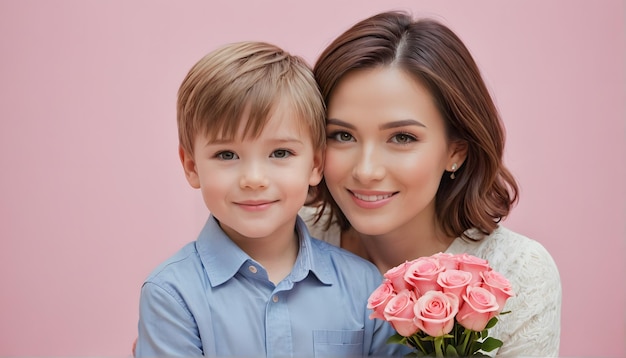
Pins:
<point x="212" y="299"/>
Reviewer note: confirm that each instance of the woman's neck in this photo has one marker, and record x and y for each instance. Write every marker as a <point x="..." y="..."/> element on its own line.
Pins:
<point x="391" y="249"/>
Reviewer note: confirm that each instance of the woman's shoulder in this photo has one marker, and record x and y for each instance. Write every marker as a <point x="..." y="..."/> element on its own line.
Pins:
<point x="503" y="238"/>
<point x="509" y="252"/>
<point x="515" y="245"/>
<point x="319" y="229"/>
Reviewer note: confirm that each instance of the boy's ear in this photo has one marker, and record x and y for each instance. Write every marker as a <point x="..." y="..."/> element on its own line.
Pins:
<point x="457" y="153"/>
<point x="189" y="166"/>
<point x="318" y="168"/>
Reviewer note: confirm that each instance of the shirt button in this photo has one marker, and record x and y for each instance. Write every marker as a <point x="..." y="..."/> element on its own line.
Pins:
<point x="275" y="298"/>
<point x="252" y="268"/>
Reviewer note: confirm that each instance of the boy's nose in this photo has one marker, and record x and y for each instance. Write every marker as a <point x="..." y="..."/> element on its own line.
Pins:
<point x="253" y="177"/>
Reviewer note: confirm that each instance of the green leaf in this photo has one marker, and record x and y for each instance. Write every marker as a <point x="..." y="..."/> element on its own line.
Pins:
<point x="490" y="344"/>
<point x="396" y="339"/>
<point x="451" y="351"/>
<point x="492" y="322"/>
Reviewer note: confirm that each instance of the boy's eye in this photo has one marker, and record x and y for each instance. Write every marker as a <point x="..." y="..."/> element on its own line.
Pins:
<point x="403" y="138"/>
<point x="226" y="155"/>
<point x="341" y="136"/>
<point x="281" y="153"/>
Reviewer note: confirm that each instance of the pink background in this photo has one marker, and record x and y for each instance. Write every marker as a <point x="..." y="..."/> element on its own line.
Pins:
<point x="92" y="195"/>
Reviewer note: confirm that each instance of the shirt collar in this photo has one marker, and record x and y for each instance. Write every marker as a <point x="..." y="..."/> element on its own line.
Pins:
<point x="222" y="258"/>
<point x="310" y="259"/>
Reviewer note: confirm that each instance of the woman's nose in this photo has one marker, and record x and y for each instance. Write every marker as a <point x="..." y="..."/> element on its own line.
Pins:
<point x="369" y="165"/>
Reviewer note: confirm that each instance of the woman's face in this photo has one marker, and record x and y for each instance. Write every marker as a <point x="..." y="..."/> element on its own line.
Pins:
<point x="387" y="150"/>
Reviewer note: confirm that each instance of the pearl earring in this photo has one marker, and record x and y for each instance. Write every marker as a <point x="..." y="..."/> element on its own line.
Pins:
<point x="452" y="176"/>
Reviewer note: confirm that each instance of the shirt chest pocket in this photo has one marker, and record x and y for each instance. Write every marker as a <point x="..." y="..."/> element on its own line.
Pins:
<point x="338" y="343"/>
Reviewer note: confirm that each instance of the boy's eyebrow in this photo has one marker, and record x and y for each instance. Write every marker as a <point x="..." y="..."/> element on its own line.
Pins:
<point x="275" y="140"/>
<point x="217" y="141"/>
<point x="389" y="125"/>
<point x="288" y="140"/>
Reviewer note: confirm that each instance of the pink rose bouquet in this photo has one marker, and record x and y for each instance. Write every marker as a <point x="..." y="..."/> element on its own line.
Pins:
<point x="442" y="305"/>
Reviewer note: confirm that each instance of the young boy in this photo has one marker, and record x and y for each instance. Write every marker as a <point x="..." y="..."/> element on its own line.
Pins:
<point x="254" y="283"/>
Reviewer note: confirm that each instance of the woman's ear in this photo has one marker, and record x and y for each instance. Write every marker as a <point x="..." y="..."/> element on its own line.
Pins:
<point x="457" y="154"/>
<point x="189" y="165"/>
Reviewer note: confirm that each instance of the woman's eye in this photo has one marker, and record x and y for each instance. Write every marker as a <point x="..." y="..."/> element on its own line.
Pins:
<point x="226" y="155"/>
<point x="341" y="136"/>
<point x="403" y="138"/>
<point x="281" y="153"/>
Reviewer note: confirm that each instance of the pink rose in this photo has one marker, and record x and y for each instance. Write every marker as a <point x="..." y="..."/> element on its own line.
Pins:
<point x="449" y="261"/>
<point x="379" y="298"/>
<point x="435" y="311"/>
<point x="478" y="308"/>
<point x="422" y="274"/>
<point x="396" y="276"/>
<point x="399" y="313"/>
<point x="454" y="281"/>
<point x="473" y="264"/>
<point x="499" y="285"/>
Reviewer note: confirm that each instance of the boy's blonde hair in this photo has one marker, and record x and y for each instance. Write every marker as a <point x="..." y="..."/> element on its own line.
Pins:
<point x="254" y="76"/>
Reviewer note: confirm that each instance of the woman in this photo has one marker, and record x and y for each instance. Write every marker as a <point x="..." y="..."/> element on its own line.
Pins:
<point x="414" y="167"/>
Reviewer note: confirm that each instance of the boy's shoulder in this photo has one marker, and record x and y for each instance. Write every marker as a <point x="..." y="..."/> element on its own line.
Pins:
<point x="184" y="262"/>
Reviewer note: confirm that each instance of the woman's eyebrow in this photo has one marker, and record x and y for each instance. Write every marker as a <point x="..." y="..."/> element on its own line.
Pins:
<point x="339" y="122"/>
<point x="389" y="125"/>
<point x="402" y="123"/>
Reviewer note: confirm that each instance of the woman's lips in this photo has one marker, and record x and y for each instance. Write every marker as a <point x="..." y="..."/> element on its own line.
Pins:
<point x="371" y="199"/>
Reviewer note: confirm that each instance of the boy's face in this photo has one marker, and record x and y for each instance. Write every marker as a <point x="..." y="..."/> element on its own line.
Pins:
<point x="256" y="186"/>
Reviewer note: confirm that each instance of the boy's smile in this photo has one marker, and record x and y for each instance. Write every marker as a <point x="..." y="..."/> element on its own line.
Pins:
<point x="255" y="205"/>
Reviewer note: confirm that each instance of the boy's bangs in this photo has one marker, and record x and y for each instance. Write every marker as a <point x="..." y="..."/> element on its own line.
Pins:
<point x="253" y="112"/>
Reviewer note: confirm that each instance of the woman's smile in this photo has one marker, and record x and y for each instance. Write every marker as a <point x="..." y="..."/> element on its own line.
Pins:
<point x="371" y="200"/>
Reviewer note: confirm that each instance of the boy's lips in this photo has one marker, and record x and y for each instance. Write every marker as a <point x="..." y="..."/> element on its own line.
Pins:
<point x="255" y="205"/>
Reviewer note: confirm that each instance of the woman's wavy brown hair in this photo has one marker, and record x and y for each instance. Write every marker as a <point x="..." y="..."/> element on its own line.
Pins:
<point x="484" y="190"/>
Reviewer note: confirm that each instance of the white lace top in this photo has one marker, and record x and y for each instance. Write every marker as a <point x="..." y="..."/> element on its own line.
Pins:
<point x="533" y="326"/>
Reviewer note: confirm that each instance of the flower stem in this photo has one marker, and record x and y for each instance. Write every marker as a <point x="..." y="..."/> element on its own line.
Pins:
<point x="439" y="346"/>
<point x="463" y="349"/>
<point x="416" y="343"/>
<point x="474" y="337"/>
